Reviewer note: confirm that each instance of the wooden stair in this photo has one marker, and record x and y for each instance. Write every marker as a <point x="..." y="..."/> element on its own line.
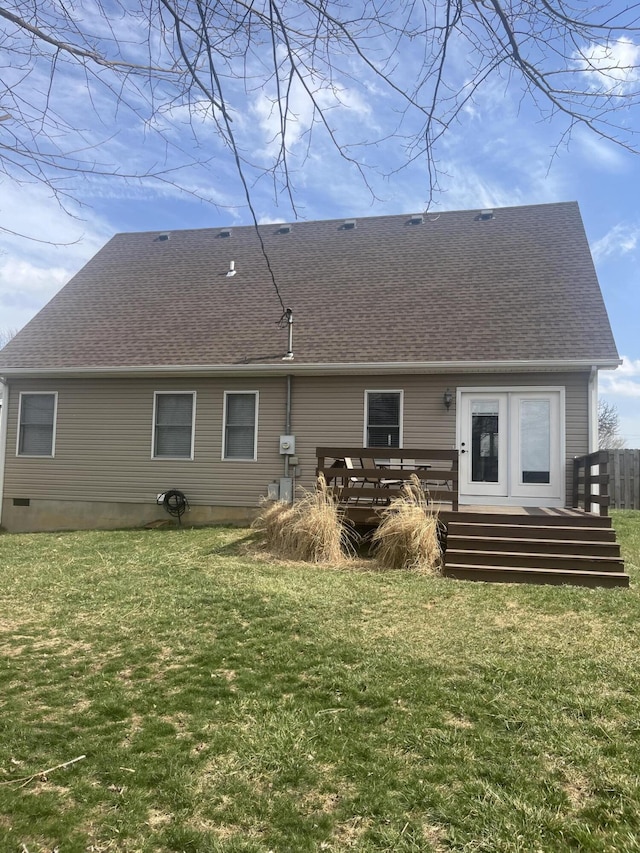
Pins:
<point x="537" y="548"/>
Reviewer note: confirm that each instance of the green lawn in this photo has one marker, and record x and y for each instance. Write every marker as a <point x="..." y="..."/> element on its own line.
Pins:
<point x="228" y="704"/>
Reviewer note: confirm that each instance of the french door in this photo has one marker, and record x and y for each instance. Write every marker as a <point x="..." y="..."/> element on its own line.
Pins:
<point x="511" y="446"/>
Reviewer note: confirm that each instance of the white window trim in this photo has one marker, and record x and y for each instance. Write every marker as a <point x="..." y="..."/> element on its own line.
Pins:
<point x="368" y="391"/>
<point x="191" y="455"/>
<point x="53" y="431"/>
<point x="253" y="458"/>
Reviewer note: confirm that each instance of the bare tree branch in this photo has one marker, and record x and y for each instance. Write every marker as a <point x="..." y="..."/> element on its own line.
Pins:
<point x="209" y="66"/>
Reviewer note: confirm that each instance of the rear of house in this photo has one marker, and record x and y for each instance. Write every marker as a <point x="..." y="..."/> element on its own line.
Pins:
<point x="154" y="369"/>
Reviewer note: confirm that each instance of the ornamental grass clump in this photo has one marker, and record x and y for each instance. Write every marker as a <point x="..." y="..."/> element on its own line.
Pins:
<point x="407" y="536"/>
<point x="271" y="523"/>
<point x="310" y="529"/>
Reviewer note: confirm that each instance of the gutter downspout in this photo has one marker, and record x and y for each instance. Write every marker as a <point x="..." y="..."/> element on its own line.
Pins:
<point x="287" y="422"/>
<point x="593" y="409"/>
<point x="4" y="418"/>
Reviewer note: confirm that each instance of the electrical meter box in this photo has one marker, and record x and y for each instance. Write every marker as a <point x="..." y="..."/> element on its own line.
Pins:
<point x="287" y="445"/>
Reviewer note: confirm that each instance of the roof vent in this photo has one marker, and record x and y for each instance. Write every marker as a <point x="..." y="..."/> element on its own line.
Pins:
<point x="348" y="225"/>
<point x="485" y="215"/>
<point x="417" y="219"/>
<point x="226" y="232"/>
<point x="284" y="229"/>
<point x="162" y="238"/>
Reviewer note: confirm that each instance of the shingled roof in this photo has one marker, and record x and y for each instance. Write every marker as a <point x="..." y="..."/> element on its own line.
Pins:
<point x="455" y="288"/>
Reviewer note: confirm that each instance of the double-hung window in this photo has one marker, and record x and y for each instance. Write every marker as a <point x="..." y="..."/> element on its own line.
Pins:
<point x="173" y="425"/>
<point x="383" y="418"/>
<point x="240" y="430"/>
<point x="37" y="424"/>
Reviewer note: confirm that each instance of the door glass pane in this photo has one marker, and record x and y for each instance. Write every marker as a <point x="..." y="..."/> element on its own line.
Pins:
<point x="535" y="441"/>
<point x="484" y="441"/>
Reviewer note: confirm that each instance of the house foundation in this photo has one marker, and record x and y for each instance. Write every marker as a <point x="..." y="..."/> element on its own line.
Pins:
<point x="33" y="515"/>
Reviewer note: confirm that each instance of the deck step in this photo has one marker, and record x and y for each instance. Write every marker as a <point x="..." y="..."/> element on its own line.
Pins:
<point x="522" y="519"/>
<point x="533" y="548"/>
<point x="527" y="560"/>
<point x="519" y="574"/>
<point x="570" y="547"/>
<point x="527" y="531"/>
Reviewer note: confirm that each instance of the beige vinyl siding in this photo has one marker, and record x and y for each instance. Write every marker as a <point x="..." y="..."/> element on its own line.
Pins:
<point x="104" y="444"/>
<point x="104" y="432"/>
<point x="330" y="410"/>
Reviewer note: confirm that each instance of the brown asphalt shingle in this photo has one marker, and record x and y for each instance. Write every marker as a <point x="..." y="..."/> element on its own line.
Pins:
<point x="456" y="288"/>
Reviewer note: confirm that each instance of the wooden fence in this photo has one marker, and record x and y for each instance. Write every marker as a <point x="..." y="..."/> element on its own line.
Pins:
<point x="624" y="479"/>
<point x="591" y="482"/>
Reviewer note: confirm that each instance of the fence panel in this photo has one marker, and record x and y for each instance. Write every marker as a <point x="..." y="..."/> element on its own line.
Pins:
<point x="624" y="479"/>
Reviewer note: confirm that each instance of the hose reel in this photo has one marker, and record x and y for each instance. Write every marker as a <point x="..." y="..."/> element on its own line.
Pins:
<point x="175" y="503"/>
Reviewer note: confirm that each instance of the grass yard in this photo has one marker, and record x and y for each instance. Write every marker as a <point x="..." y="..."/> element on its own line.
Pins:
<point x="228" y="704"/>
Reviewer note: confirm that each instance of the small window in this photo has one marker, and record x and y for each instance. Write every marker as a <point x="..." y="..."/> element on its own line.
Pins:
<point x="240" y="425"/>
<point x="173" y="425"/>
<point x="37" y="419"/>
<point x="383" y="427"/>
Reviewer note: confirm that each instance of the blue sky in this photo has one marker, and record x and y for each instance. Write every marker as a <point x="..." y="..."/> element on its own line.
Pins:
<point x="499" y="151"/>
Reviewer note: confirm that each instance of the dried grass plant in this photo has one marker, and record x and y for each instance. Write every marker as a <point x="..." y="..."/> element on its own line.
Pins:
<point x="407" y="536"/>
<point x="310" y="529"/>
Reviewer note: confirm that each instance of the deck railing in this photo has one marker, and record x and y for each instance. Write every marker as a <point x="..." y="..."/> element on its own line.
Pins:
<point x="378" y="473"/>
<point x="591" y="482"/>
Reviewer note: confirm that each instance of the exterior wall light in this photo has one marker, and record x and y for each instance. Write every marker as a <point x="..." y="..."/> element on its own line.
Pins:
<point x="447" y="399"/>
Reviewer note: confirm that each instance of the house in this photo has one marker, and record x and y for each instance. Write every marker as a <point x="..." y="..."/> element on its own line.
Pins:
<point x="170" y="362"/>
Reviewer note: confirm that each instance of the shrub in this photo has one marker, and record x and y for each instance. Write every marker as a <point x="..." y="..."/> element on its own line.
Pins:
<point x="310" y="529"/>
<point x="407" y="536"/>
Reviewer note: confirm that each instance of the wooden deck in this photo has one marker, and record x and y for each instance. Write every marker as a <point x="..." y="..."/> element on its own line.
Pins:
<point x="485" y="543"/>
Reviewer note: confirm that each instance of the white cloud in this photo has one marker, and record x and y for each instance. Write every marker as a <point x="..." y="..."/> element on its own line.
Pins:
<point x="343" y="107"/>
<point x="623" y="382"/>
<point x="32" y="270"/>
<point x="25" y="285"/>
<point x="599" y="151"/>
<point x="619" y="240"/>
<point x="613" y="67"/>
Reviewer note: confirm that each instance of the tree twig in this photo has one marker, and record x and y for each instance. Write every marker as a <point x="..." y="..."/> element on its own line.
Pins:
<point x="26" y="779"/>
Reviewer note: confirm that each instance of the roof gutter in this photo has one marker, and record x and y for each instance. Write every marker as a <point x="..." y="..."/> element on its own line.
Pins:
<point x="319" y="368"/>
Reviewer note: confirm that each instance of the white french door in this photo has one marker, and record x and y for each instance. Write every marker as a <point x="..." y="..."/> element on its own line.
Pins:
<point x="511" y="446"/>
<point x="483" y="448"/>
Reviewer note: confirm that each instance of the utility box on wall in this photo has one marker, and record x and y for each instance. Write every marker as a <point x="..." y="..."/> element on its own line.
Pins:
<point x="286" y="489"/>
<point x="287" y="445"/>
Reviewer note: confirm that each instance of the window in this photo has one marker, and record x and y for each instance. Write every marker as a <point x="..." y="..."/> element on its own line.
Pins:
<point x="383" y="427"/>
<point x="173" y="425"/>
<point x="36" y="434"/>
<point x="240" y="425"/>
